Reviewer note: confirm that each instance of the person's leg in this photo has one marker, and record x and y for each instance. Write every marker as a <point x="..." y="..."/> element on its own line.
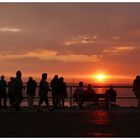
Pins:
<point x="32" y="100"/>
<point x="40" y="101"/>
<point x="81" y="101"/>
<point x="0" y="102"/>
<point x="138" y="104"/>
<point x="57" y="100"/>
<point x="14" y="97"/>
<point x="47" y="102"/>
<point x="20" y="98"/>
<point x="53" y="100"/>
<point x="62" y="99"/>
<point x="17" y="103"/>
<point x="39" y="104"/>
<point x="29" y="100"/>
<point x="11" y="99"/>
<point x="5" y="100"/>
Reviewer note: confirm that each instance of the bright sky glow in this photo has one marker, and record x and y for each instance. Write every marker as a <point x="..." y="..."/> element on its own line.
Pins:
<point x="100" y="77"/>
<point x="71" y="39"/>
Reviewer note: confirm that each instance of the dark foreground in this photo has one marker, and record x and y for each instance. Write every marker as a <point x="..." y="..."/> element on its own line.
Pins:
<point x="119" y="122"/>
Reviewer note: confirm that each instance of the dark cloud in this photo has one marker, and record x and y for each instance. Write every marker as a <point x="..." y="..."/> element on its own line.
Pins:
<point x="48" y="26"/>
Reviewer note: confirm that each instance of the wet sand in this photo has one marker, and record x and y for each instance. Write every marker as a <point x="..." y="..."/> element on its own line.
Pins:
<point x="70" y="122"/>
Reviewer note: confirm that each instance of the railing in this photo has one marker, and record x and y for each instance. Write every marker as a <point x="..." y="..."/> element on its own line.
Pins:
<point x="71" y="90"/>
<point x="96" y="87"/>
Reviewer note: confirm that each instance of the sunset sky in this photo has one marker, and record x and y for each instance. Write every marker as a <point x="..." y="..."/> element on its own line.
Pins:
<point x="71" y="40"/>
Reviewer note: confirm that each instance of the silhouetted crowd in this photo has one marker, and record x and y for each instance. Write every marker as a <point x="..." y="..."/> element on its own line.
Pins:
<point x="58" y="90"/>
<point x="15" y="87"/>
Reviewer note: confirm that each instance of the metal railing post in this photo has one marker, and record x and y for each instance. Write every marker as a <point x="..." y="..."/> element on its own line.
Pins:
<point x="78" y="102"/>
<point x="109" y="105"/>
<point x="70" y="96"/>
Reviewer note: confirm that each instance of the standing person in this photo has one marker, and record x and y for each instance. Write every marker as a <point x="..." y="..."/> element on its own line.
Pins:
<point x="79" y="92"/>
<point x="62" y="91"/>
<point x="136" y="89"/>
<point x="11" y="92"/>
<point x="43" y="90"/>
<point x="18" y="86"/>
<point x="31" y="89"/>
<point x="3" y="93"/>
<point x="55" y="86"/>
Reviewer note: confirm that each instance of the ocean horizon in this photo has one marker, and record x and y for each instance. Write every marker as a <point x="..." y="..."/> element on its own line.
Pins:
<point x="125" y="96"/>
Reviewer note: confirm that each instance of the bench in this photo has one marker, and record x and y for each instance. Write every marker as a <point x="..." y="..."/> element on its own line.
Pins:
<point x="94" y="98"/>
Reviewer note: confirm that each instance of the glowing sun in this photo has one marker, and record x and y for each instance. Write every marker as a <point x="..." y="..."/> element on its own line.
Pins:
<point x="100" y="77"/>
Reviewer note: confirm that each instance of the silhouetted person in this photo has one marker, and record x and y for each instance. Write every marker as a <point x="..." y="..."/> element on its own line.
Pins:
<point x="18" y="86"/>
<point x="90" y="93"/>
<point x="79" y="93"/>
<point x="55" y="88"/>
<point x="62" y="91"/>
<point x="136" y="89"/>
<point x="11" y="92"/>
<point x="43" y="90"/>
<point x="31" y="89"/>
<point x="90" y="90"/>
<point x="3" y="93"/>
<point x="110" y="95"/>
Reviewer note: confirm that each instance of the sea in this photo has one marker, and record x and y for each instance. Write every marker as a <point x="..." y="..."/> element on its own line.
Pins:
<point x="125" y="96"/>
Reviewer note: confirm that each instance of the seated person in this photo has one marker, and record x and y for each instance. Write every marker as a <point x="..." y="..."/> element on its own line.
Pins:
<point x="79" y="92"/>
<point x="90" y="93"/>
<point x="110" y="94"/>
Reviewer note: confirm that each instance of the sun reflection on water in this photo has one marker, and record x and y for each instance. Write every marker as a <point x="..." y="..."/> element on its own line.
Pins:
<point x="100" y="122"/>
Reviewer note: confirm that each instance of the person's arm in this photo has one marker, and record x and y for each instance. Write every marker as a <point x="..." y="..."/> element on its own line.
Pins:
<point x="5" y="83"/>
<point x="48" y="87"/>
<point x="106" y="94"/>
<point x="65" y="86"/>
<point x="51" y="83"/>
<point x="134" y="86"/>
<point x="35" y="83"/>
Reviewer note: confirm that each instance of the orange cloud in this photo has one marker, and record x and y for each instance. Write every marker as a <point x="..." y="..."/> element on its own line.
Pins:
<point x="52" y="55"/>
<point x="119" y="50"/>
<point x="8" y="29"/>
<point x="81" y="39"/>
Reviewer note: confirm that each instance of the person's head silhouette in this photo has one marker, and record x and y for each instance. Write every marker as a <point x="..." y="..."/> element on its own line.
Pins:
<point x="30" y="78"/>
<point x="12" y="79"/>
<point x="18" y="74"/>
<point x="89" y="86"/>
<point x="2" y="77"/>
<point x="55" y="76"/>
<point x="80" y="84"/>
<point x="61" y="79"/>
<point x="111" y="87"/>
<point x="44" y="76"/>
<point x="137" y="77"/>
